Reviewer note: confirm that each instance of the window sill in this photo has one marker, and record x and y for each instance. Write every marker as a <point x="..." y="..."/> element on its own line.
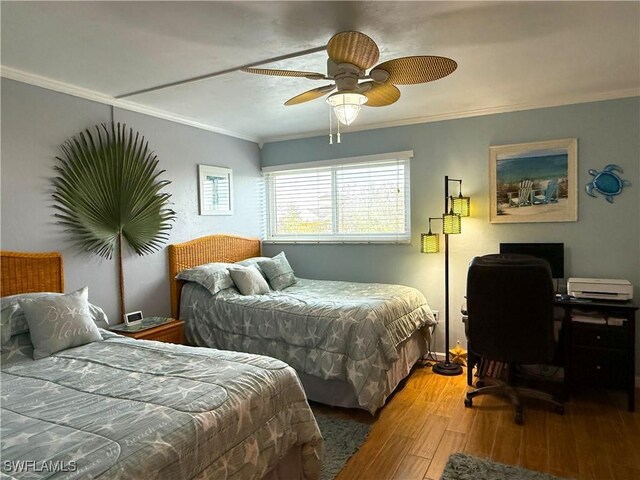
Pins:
<point x="338" y="242"/>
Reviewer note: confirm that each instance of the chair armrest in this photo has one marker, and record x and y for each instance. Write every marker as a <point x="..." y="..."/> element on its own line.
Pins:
<point x="465" y="317"/>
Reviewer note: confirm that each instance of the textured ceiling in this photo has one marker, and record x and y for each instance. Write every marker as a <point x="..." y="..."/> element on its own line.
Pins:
<point x="511" y="55"/>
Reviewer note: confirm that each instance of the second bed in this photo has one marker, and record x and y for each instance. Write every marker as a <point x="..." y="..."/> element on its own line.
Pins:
<point x="351" y="343"/>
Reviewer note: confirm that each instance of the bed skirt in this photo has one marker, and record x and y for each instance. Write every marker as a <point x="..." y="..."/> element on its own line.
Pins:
<point x="341" y="394"/>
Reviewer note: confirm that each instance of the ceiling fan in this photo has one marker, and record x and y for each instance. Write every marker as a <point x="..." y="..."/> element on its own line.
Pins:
<point x="351" y="54"/>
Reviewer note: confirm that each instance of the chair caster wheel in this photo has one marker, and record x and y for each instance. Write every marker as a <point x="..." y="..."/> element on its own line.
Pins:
<point x="518" y="418"/>
<point x="560" y="409"/>
<point x="468" y="402"/>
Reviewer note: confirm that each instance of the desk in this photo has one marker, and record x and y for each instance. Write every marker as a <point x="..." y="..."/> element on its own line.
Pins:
<point x="599" y="355"/>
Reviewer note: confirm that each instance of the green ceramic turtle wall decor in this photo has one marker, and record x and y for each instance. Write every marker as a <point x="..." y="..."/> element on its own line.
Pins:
<point x="607" y="182"/>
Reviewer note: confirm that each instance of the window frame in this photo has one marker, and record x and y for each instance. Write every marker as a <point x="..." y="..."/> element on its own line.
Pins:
<point x="334" y="166"/>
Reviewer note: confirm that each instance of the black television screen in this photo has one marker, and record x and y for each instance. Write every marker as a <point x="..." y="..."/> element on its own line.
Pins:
<point x="551" y="252"/>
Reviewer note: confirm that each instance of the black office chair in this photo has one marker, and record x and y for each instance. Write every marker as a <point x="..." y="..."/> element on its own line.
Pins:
<point x="510" y="319"/>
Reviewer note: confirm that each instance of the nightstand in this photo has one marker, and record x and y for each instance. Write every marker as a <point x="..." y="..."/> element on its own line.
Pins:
<point x="154" y="328"/>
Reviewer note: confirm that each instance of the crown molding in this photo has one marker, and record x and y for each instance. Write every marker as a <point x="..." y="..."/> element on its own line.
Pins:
<point x="516" y="107"/>
<point x="92" y="95"/>
<point x="56" y="86"/>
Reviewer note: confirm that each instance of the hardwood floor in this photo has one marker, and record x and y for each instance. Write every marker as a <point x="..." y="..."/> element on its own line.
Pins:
<point x="426" y="421"/>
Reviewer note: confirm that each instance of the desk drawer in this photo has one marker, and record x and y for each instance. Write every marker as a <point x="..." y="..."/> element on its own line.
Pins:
<point x="599" y="367"/>
<point x="599" y="336"/>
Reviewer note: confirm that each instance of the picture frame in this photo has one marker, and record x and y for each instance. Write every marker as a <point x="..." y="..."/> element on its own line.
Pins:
<point x="215" y="190"/>
<point x="534" y="182"/>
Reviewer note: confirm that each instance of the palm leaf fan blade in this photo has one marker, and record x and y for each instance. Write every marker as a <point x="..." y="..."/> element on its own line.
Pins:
<point x="79" y="189"/>
<point x="88" y="158"/>
<point x="143" y="205"/>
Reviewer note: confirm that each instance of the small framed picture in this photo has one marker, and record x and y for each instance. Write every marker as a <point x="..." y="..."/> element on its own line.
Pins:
<point x="133" y="317"/>
<point x="216" y="190"/>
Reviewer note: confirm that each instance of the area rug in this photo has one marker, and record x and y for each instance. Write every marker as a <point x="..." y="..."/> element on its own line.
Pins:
<point x="342" y="438"/>
<point x="468" y="467"/>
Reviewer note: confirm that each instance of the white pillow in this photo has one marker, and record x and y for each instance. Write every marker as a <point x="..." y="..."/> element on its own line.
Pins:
<point x="253" y="261"/>
<point x="249" y="280"/>
<point x="59" y="322"/>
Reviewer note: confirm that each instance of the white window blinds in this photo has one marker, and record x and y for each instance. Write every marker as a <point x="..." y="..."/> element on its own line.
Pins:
<point x="363" y="200"/>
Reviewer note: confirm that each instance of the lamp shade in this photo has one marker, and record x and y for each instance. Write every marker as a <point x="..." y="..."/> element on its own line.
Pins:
<point x="461" y="205"/>
<point x="346" y="106"/>
<point x="451" y="223"/>
<point x="429" y="243"/>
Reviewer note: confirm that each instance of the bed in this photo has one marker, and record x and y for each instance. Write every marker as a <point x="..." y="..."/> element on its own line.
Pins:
<point x="351" y="343"/>
<point x="125" y="408"/>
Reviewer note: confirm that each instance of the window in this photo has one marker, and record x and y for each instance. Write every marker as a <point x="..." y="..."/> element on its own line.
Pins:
<point x="360" y="200"/>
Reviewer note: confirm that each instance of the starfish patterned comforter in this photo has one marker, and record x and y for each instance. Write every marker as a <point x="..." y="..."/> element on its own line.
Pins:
<point x="332" y="330"/>
<point x="124" y="408"/>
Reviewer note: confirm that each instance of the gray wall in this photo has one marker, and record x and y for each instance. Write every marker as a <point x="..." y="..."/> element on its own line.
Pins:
<point x="36" y="121"/>
<point x="605" y="242"/>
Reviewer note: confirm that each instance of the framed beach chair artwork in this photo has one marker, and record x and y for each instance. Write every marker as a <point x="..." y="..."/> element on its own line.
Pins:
<point x="540" y="176"/>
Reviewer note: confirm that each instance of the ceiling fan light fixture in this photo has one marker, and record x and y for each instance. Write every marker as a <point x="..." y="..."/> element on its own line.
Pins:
<point x="346" y="105"/>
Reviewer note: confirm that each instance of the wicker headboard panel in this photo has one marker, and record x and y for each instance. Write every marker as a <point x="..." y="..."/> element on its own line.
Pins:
<point x="24" y="272"/>
<point x="212" y="248"/>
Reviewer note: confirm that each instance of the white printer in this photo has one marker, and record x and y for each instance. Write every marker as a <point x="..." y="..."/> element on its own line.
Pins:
<point x="600" y="288"/>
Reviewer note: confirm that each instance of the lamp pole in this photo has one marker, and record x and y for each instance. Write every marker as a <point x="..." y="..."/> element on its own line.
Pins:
<point x="446" y="368"/>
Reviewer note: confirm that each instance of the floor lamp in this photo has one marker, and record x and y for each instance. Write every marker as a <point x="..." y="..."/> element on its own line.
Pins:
<point x="454" y="209"/>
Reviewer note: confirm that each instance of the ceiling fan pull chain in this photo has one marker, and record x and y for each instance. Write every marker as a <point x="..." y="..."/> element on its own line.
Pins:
<point x="330" y="129"/>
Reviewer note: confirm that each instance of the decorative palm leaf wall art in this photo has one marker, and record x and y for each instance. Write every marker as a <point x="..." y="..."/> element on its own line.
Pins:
<point x="107" y="190"/>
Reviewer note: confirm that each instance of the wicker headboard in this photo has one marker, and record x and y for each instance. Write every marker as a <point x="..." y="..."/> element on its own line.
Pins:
<point x="212" y="248"/>
<point x="24" y="272"/>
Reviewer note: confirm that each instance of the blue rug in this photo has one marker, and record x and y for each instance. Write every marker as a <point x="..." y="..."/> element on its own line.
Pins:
<point x="468" y="467"/>
<point x="342" y="438"/>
